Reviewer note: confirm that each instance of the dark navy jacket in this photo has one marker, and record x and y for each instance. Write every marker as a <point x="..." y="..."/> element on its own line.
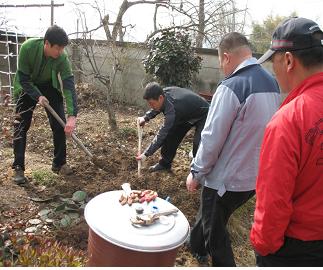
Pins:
<point x="181" y="106"/>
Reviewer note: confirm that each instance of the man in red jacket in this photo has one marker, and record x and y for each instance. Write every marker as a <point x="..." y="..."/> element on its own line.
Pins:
<point x="288" y="219"/>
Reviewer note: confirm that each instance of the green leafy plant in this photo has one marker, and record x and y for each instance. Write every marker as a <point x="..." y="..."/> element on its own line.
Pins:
<point x="172" y="59"/>
<point x="44" y="177"/>
<point x="37" y="251"/>
<point x="65" y="213"/>
<point x="5" y="251"/>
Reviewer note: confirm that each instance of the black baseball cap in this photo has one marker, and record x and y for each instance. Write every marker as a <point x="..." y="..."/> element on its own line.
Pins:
<point x="291" y="35"/>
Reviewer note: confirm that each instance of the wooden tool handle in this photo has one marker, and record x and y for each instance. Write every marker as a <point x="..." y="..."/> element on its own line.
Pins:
<point x="62" y="123"/>
<point x="139" y="130"/>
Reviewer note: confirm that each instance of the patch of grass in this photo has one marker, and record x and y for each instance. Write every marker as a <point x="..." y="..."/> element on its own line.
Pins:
<point x="44" y="177"/>
<point x="6" y="152"/>
<point x="127" y="132"/>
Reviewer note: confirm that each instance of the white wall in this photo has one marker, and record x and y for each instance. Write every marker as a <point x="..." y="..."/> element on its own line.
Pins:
<point x="132" y="78"/>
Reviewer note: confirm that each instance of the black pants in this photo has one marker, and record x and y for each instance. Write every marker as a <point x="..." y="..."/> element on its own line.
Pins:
<point x="294" y="253"/>
<point x="175" y="137"/>
<point x="209" y="234"/>
<point x="24" y="112"/>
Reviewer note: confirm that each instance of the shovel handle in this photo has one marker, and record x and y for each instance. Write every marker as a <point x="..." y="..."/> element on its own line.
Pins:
<point x="139" y="129"/>
<point x="62" y="123"/>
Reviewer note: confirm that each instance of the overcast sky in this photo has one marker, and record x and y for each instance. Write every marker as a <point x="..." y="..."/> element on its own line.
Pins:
<point x="34" y="21"/>
<point x="259" y="9"/>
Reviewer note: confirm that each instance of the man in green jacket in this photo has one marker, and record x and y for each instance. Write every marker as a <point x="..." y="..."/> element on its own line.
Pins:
<point x="42" y="64"/>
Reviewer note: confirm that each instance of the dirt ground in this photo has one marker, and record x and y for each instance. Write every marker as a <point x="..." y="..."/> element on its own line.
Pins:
<point x="18" y="204"/>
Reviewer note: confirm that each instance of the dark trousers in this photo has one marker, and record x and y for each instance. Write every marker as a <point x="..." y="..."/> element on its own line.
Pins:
<point x="175" y="137"/>
<point x="24" y="112"/>
<point x="294" y="253"/>
<point x="209" y="234"/>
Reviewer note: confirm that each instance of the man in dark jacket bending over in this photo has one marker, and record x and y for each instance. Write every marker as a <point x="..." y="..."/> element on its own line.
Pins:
<point x="183" y="109"/>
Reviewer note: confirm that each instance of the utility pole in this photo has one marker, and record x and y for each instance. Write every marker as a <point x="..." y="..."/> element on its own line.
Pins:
<point x="52" y="12"/>
<point x="51" y="5"/>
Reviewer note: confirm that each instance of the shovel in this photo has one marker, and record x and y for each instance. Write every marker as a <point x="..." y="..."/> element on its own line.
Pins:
<point x="77" y="140"/>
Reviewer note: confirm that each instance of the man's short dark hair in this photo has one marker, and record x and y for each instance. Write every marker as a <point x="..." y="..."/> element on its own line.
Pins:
<point x="56" y="35"/>
<point x="152" y="91"/>
<point x="312" y="56"/>
<point x="233" y="41"/>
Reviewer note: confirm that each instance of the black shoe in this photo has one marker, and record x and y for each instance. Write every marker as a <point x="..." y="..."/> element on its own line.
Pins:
<point x="62" y="170"/>
<point x="157" y="167"/>
<point x="203" y="260"/>
<point x="19" y="175"/>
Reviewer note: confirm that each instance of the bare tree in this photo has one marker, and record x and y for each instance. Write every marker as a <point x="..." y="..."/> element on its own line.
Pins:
<point x="114" y="31"/>
<point x="201" y="25"/>
<point x="228" y="19"/>
<point x="207" y="20"/>
<point x="3" y="19"/>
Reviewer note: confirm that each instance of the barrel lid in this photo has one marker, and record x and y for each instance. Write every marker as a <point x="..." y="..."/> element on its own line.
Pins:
<point x="111" y="221"/>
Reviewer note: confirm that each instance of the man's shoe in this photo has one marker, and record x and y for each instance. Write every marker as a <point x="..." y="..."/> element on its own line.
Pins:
<point x="203" y="260"/>
<point x="19" y="175"/>
<point x="62" y="170"/>
<point x="157" y="167"/>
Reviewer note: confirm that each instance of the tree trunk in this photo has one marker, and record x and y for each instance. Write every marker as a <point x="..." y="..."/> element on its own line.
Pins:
<point x="201" y="25"/>
<point x="112" y="121"/>
<point x="233" y="16"/>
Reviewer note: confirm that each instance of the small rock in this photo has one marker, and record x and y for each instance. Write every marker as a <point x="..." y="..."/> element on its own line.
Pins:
<point x="30" y="230"/>
<point x="48" y="220"/>
<point x="34" y="221"/>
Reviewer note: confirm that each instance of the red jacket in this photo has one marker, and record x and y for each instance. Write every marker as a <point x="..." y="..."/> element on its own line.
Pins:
<point x="289" y="186"/>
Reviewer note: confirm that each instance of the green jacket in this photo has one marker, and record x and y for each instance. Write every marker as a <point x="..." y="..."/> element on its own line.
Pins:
<point x="30" y="63"/>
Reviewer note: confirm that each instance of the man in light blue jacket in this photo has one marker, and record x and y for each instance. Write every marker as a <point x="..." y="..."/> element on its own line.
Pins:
<point x="226" y="162"/>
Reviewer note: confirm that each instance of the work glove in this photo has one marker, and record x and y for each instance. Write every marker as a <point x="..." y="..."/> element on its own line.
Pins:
<point x="142" y="157"/>
<point x="141" y="121"/>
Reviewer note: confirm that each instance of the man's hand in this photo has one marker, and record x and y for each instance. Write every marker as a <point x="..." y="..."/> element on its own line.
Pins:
<point x="141" y="157"/>
<point x="141" y="121"/>
<point x="70" y="125"/>
<point x="191" y="183"/>
<point x="42" y="100"/>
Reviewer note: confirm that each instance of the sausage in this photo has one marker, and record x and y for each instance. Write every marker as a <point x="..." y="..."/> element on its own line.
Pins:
<point x="129" y="201"/>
